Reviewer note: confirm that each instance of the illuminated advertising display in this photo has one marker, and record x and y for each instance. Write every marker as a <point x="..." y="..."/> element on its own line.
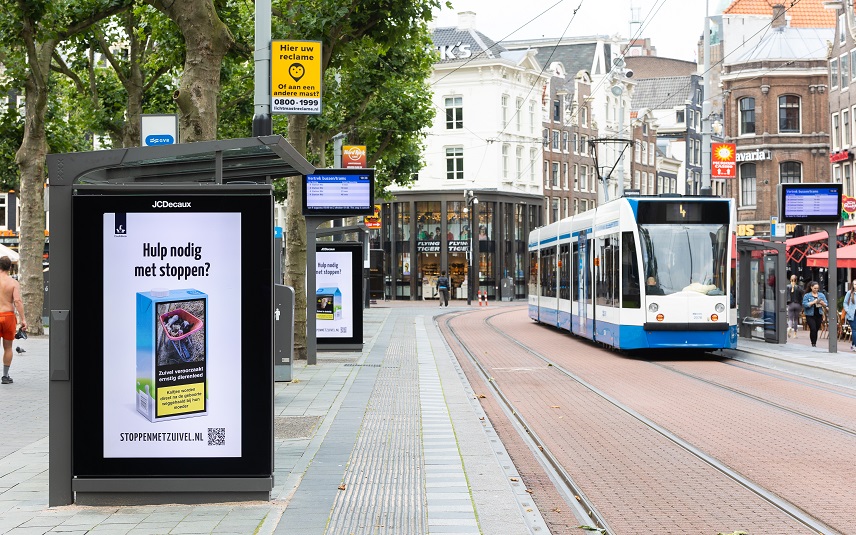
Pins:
<point x="338" y="303"/>
<point x="180" y="338"/>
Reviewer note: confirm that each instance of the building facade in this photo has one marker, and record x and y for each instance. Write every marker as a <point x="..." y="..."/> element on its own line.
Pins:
<point x="777" y="114"/>
<point x="842" y="101"/>
<point x="480" y="192"/>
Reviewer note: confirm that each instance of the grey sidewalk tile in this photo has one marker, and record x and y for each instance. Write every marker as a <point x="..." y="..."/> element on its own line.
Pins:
<point x="195" y="526"/>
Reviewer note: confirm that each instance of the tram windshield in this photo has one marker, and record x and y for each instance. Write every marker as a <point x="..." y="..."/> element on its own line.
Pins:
<point x="679" y="258"/>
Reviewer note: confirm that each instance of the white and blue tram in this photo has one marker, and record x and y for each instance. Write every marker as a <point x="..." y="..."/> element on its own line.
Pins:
<point x="639" y="272"/>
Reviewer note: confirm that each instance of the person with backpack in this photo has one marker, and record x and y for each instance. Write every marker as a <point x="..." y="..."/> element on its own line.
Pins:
<point x="443" y="289"/>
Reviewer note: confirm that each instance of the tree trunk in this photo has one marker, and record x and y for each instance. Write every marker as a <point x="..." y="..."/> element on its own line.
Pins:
<point x="207" y="40"/>
<point x="295" y="238"/>
<point x="31" y="163"/>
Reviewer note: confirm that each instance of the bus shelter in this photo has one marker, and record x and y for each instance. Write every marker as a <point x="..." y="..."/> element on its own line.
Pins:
<point x="162" y="321"/>
<point x="761" y="305"/>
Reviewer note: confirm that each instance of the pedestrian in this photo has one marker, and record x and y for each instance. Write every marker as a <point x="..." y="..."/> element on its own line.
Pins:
<point x="814" y="304"/>
<point x="443" y="289"/>
<point x="794" y="293"/>
<point x="10" y="301"/>
<point x="850" y="312"/>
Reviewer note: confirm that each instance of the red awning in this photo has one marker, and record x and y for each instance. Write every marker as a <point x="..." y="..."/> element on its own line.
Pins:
<point x="818" y="236"/>
<point x="845" y="258"/>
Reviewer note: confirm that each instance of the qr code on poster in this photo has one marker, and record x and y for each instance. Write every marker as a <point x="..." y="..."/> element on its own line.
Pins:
<point x="216" y="436"/>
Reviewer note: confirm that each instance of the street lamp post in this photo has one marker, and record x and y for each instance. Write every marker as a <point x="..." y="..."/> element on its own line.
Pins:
<point x="472" y="205"/>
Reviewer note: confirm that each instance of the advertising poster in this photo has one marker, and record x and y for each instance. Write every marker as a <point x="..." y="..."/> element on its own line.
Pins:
<point x="172" y="337"/>
<point x="334" y="299"/>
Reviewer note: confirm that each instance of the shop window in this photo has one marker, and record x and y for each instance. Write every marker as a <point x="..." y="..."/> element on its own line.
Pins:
<point x="747" y="115"/>
<point x="789" y="114"/>
<point x="454" y="113"/>
<point x="485" y="213"/>
<point x="457" y="221"/>
<point x="428" y="221"/>
<point x="402" y="222"/>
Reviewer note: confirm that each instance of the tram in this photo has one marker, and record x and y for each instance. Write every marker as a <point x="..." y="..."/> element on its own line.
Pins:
<point x="639" y="272"/>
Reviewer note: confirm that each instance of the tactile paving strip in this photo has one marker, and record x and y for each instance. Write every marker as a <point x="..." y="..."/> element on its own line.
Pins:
<point x="384" y="483"/>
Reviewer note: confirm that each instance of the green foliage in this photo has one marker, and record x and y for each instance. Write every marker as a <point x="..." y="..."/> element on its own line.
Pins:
<point x="377" y="62"/>
<point x="11" y="133"/>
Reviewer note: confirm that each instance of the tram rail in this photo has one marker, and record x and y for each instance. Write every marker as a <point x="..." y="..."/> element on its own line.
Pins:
<point x="586" y="507"/>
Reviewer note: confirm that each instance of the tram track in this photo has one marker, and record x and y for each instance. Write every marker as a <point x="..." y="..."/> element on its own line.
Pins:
<point x="759" y="399"/>
<point x="767" y="496"/>
<point x="583" y="508"/>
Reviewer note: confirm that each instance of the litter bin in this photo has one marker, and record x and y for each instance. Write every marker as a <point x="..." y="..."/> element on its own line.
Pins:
<point x="507" y="289"/>
<point x="283" y="332"/>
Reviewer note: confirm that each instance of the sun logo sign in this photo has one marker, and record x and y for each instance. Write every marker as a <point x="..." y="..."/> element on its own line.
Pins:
<point x="723" y="161"/>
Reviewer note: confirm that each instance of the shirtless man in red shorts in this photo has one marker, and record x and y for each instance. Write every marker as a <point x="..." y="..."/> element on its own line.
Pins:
<point x="10" y="300"/>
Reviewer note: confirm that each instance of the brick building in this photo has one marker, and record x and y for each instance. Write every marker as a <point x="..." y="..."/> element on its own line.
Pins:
<point x="776" y="111"/>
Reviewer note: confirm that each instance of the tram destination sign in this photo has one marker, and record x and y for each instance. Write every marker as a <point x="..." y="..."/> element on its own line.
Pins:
<point x="810" y="203"/>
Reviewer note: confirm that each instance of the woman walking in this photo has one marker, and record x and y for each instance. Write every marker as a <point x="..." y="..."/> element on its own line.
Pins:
<point x="795" y="295"/>
<point x="850" y="312"/>
<point x="813" y="304"/>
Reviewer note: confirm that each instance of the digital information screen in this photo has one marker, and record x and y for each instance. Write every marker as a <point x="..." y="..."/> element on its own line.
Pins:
<point x="175" y="369"/>
<point x="339" y="192"/>
<point x="810" y="203"/>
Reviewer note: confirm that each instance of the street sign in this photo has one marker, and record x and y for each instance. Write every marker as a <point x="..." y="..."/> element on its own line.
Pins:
<point x="295" y="77"/>
<point x="158" y="129"/>
<point x="723" y="162"/>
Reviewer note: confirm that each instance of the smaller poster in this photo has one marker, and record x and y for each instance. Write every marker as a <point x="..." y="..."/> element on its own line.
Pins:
<point x="723" y="160"/>
<point x="338" y="283"/>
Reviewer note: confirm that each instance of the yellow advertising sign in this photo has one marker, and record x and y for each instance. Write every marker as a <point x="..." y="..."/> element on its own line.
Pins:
<point x="295" y="77"/>
<point x="354" y="156"/>
<point x="373" y="221"/>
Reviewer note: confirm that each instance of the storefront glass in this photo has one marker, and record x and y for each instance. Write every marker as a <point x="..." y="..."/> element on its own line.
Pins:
<point x="457" y="223"/>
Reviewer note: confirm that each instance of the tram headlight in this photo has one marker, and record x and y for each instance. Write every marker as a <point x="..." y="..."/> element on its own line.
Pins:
<point x="653" y="307"/>
<point x="719" y="307"/>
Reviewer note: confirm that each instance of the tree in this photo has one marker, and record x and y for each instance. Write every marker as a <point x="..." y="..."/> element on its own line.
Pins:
<point x="207" y="40"/>
<point x="39" y="27"/>
<point x="345" y="28"/>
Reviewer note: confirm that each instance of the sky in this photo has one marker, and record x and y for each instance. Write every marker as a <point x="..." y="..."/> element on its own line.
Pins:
<point x="674" y="26"/>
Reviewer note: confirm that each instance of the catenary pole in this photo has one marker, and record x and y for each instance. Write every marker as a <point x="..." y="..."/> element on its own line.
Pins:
<point x="706" y="108"/>
<point x="262" y="125"/>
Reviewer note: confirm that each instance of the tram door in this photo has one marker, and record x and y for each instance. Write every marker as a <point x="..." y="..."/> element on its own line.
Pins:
<point x="582" y="267"/>
<point x="771" y="284"/>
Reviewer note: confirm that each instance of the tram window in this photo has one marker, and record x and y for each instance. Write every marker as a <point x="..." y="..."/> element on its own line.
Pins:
<point x="548" y="272"/>
<point x="564" y="272"/>
<point x="533" y="272"/>
<point x="630" y="292"/>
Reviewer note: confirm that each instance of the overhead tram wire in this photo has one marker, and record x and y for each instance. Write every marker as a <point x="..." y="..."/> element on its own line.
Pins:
<point x="722" y="60"/>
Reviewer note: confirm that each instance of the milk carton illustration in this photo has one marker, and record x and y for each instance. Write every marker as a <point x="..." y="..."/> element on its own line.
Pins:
<point x="172" y="349"/>
<point x="328" y="303"/>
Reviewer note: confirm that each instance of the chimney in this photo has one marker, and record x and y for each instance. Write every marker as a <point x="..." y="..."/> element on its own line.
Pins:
<point x="779" y="16"/>
<point x="467" y="20"/>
